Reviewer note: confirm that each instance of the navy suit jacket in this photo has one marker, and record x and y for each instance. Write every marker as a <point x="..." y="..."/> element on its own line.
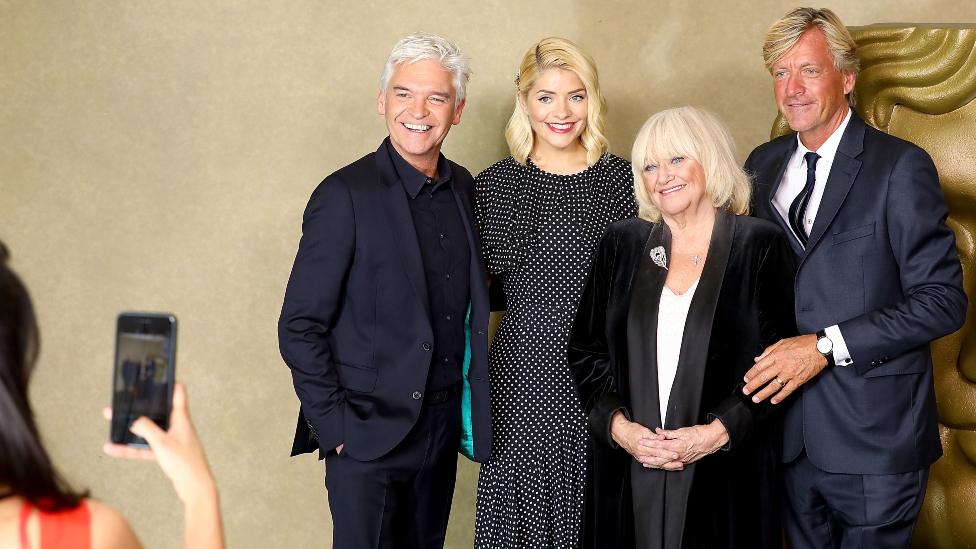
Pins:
<point x="882" y="264"/>
<point x="355" y="325"/>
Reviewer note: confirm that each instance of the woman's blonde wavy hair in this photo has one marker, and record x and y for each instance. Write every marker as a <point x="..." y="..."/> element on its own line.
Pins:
<point x="692" y="133"/>
<point x="558" y="53"/>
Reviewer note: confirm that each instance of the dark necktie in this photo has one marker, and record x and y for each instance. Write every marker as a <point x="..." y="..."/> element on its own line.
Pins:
<point x="798" y="208"/>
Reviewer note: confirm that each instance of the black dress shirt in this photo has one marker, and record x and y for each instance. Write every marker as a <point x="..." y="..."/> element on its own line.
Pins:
<point x="447" y="263"/>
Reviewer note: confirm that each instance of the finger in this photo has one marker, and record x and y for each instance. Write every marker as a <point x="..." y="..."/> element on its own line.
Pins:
<point x="180" y="410"/>
<point x="653" y="462"/>
<point x="676" y="446"/>
<point x="657" y="453"/>
<point x="767" y="350"/>
<point x="127" y="452"/>
<point x="107" y="413"/>
<point x="770" y="389"/>
<point x="663" y="433"/>
<point x="757" y="370"/>
<point x="668" y="434"/>
<point x="147" y="429"/>
<point x="763" y="378"/>
<point x="673" y="466"/>
<point x="650" y="443"/>
<point x="786" y="391"/>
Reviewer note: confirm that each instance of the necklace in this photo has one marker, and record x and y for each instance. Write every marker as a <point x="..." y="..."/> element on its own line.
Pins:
<point x="695" y="258"/>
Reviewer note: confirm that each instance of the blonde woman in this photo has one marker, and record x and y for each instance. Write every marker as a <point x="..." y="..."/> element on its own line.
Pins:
<point x="541" y="212"/>
<point x="678" y="303"/>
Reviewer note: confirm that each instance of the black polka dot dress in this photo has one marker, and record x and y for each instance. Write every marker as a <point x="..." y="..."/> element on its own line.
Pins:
<point x="539" y="231"/>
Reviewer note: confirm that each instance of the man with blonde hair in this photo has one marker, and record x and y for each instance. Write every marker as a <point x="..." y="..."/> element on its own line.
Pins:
<point x="385" y="318"/>
<point x="878" y="278"/>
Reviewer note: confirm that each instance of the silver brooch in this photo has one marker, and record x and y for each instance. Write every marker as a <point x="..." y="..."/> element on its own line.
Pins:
<point x="659" y="258"/>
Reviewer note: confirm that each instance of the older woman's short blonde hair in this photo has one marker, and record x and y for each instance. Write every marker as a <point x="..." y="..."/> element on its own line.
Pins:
<point x="692" y="133"/>
<point x="785" y="33"/>
<point x="558" y="53"/>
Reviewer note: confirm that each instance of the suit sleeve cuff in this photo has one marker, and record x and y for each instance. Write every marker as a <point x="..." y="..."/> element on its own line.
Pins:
<point x="842" y="355"/>
<point x="601" y="417"/>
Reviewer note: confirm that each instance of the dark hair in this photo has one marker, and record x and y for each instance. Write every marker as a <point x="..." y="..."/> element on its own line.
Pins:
<point x="25" y="467"/>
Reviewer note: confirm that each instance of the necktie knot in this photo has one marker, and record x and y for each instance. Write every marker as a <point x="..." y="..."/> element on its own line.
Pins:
<point x="811" y="158"/>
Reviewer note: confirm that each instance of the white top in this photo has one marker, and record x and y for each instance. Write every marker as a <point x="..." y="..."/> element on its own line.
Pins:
<point x="671" y="317"/>
<point x="794" y="178"/>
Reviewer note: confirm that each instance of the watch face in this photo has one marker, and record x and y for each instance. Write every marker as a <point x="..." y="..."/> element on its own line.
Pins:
<point x="824" y="345"/>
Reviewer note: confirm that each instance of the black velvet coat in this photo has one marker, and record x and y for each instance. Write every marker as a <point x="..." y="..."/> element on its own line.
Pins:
<point x="743" y="303"/>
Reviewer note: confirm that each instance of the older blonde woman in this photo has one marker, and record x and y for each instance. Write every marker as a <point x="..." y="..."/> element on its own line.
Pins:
<point x="541" y="212"/>
<point x="678" y="303"/>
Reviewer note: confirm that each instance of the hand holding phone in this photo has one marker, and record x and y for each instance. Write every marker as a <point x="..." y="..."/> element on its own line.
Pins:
<point x="180" y="455"/>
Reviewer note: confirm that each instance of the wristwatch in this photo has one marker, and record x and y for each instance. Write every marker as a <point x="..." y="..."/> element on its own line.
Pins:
<point x="825" y="346"/>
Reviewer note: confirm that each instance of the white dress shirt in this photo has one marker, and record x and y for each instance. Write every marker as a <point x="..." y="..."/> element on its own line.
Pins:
<point x="794" y="178"/>
<point x="671" y="317"/>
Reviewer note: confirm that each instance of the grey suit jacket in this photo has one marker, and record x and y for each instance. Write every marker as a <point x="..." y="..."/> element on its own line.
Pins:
<point x="882" y="264"/>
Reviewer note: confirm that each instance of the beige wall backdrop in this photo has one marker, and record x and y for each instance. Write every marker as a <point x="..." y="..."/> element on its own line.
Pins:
<point x="158" y="155"/>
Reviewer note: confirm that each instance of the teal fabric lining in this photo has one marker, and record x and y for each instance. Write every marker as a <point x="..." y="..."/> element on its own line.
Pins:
<point x="467" y="429"/>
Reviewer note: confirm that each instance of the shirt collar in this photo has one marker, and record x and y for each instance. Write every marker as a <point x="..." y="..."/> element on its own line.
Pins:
<point x="828" y="150"/>
<point x="412" y="179"/>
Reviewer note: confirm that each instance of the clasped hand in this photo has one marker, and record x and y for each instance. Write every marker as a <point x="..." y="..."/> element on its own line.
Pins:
<point x="669" y="450"/>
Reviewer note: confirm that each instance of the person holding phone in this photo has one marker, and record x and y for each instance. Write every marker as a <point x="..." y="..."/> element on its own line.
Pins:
<point x="38" y="508"/>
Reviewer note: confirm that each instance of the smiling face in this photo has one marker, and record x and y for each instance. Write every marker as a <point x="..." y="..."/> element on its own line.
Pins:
<point x="675" y="185"/>
<point x="557" y="108"/>
<point x="810" y="91"/>
<point x="418" y="105"/>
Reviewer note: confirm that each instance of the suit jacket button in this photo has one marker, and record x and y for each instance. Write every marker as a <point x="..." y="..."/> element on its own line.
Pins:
<point x="417" y="395"/>
<point x="425" y="346"/>
<point x="874" y="363"/>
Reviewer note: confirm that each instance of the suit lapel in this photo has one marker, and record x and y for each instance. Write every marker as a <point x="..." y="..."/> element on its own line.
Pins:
<point x="645" y="300"/>
<point x="403" y="232"/>
<point x="842" y="174"/>
<point x="775" y="177"/>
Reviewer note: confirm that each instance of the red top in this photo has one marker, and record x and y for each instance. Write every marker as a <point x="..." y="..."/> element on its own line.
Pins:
<point x="61" y="529"/>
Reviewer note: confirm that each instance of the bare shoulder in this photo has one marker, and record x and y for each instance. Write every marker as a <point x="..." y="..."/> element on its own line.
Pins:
<point x="109" y="529"/>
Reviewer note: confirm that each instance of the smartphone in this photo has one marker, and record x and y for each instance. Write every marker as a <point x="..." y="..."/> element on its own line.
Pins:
<point x="143" y="376"/>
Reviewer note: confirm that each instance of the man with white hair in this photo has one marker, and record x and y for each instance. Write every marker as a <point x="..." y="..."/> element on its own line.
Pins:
<point x="385" y="319"/>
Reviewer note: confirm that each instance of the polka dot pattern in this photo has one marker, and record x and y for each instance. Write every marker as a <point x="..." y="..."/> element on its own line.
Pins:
<point x="539" y="231"/>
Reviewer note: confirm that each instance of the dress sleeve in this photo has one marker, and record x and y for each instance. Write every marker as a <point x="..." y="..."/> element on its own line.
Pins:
<point x="493" y="212"/>
<point x="624" y="204"/>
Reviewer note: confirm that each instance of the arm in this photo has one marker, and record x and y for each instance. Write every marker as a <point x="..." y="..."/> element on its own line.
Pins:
<point x="589" y="353"/>
<point x="312" y="301"/>
<point x="180" y="456"/>
<point x="777" y="320"/>
<point x="490" y="232"/>
<point x="933" y="302"/>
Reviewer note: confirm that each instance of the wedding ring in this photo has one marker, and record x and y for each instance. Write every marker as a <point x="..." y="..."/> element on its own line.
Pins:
<point x="780" y="381"/>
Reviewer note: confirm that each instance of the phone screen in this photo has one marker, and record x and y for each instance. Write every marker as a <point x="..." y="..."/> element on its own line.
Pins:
<point x="142" y="382"/>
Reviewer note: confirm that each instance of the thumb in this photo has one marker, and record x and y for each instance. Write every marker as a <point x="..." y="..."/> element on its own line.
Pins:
<point x="147" y="429"/>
